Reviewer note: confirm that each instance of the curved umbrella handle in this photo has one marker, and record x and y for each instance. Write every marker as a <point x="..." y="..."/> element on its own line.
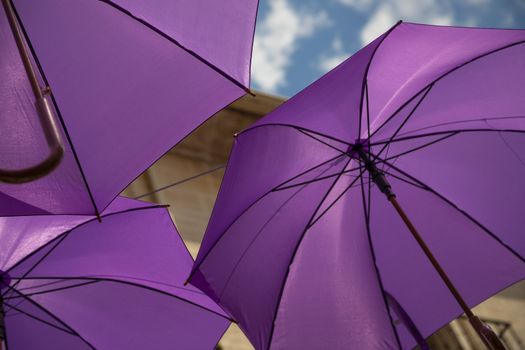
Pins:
<point x="54" y="143"/>
<point x="45" y="113"/>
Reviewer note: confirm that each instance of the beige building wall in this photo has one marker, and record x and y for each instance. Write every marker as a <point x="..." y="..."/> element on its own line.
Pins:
<point x="191" y="204"/>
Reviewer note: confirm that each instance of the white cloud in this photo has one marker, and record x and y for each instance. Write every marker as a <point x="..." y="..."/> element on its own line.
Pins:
<point x="327" y="63"/>
<point x="388" y="13"/>
<point x="360" y="5"/>
<point x="277" y="39"/>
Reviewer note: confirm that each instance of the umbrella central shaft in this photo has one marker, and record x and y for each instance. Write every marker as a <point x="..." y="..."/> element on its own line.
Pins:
<point x="489" y="338"/>
<point x="377" y="176"/>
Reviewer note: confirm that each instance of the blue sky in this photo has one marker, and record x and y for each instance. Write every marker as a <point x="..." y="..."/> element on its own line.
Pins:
<point x="297" y="41"/>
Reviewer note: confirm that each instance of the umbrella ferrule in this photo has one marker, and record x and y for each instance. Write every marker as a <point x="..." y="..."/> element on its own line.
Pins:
<point x="377" y="176"/>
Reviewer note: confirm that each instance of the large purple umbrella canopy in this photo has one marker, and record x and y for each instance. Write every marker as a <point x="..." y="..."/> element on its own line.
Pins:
<point x="70" y="282"/>
<point x="129" y="80"/>
<point x="303" y="249"/>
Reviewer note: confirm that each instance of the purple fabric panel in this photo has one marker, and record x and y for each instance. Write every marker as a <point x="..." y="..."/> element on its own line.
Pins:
<point x="247" y="280"/>
<point x="119" y="316"/>
<point x="219" y="31"/>
<point x="484" y="94"/>
<point x="23" y="144"/>
<point x="118" y="283"/>
<point x="331" y="104"/>
<point x="263" y="158"/>
<point x="24" y="332"/>
<point x="20" y="236"/>
<point x="332" y="298"/>
<point x="481" y="173"/>
<point x="127" y="95"/>
<point x="10" y="206"/>
<point x="29" y="286"/>
<point x="15" y="305"/>
<point x="140" y="246"/>
<point x="414" y="55"/>
<point x="466" y="252"/>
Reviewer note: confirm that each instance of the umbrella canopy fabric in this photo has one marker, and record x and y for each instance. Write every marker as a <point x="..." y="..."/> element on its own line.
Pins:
<point x="129" y="80"/>
<point x="302" y="248"/>
<point x="70" y="282"/>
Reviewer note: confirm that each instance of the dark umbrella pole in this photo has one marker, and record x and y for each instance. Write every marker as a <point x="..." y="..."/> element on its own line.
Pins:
<point x="489" y="338"/>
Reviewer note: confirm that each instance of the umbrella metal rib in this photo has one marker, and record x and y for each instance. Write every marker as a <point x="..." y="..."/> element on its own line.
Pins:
<point x="447" y="73"/>
<point x="67" y="329"/>
<point x="169" y="38"/>
<point x="257" y="235"/>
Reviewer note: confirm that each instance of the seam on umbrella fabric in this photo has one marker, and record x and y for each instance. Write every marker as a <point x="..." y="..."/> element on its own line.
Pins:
<point x="406" y="119"/>
<point x="61" y="236"/>
<point x="353" y="184"/>
<point x="166" y="151"/>
<point x="452" y="131"/>
<point x="428" y="144"/>
<point x="137" y="285"/>
<point x="22" y="312"/>
<point x="365" y="76"/>
<point x="76" y="334"/>
<point x="323" y="142"/>
<point x="56" y="244"/>
<point x="452" y="70"/>
<point x="509" y="147"/>
<point x="463" y="121"/>
<point x="50" y="290"/>
<point x="345" y="172"/>
<point x="464" y="213"/>
<point x="258" y="234"/>
<point x="172" y="40"/>
<point x="297" y="128"/>
<point x="305" y="230"/>
<point x="197" y="265"/>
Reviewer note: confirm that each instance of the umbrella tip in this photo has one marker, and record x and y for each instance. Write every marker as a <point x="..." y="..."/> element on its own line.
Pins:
<point x="186" y="282"/>
<point x="99" y="218"/>
<point x="250" y="92"/>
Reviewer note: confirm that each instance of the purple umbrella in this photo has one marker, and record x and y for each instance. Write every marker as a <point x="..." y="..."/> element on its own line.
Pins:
<point x="120" y="82"/>
<point x="304" y="246"/>
<point x="70" y="282"/>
